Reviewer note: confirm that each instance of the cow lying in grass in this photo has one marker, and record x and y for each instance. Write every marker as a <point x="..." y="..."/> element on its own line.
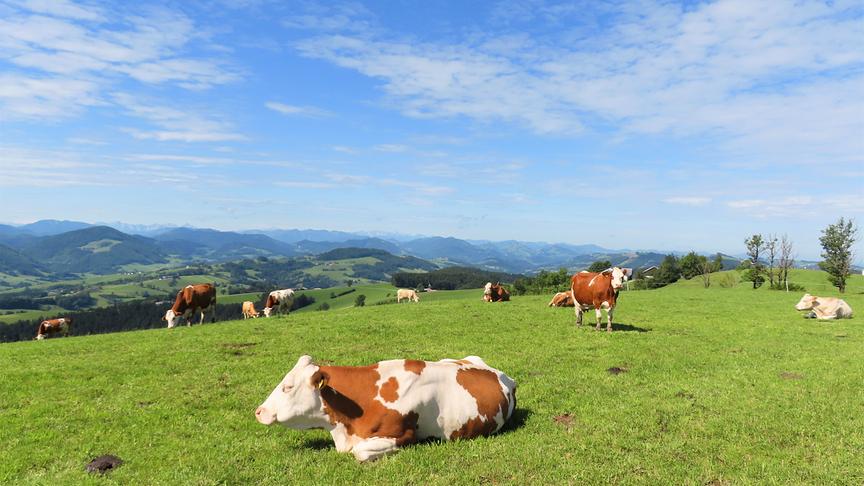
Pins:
<point x="373" y="410"/>
<point x="823" y="308"/>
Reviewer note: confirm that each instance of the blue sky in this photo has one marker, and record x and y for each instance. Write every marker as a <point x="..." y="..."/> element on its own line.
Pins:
<point x="627" y="124"/>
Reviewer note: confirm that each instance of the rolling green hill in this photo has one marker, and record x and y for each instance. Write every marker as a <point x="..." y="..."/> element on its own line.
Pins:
<point x="716" y="386"/>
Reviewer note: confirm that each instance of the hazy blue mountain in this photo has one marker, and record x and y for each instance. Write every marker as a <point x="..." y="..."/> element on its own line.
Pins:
<point x="221" y="245"/>
<point x="97" y="249"/>
<point x="14" y="262"/>
<point x="48" y="227"/>
<point x="297" y="235"/>
<point x="316" y="247"/>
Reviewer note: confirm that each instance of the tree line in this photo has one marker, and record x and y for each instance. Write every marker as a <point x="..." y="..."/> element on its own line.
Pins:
<point x="451" y="278"/>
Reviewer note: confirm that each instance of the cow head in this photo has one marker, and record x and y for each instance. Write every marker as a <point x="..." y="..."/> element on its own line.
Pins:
<point x="296" y="401"/>
<point x="172" y="318"/>
<point x="618" y="277"/>
<point x="268" y="311"/>
<point x="807" y="302"/>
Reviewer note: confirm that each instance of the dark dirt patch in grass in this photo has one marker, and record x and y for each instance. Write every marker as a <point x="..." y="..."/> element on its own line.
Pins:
<point x="238" y="345"/>
<point x="564" y="420"/>
<point x="145" y="403"/>
<point x="616" y="370"/>
<point x="103" y="464"/>
<point x="788" y="375"/>
<point x="688" y="396"/>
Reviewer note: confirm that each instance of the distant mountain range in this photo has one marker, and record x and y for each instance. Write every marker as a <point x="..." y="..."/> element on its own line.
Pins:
<point x="77" y="247"/>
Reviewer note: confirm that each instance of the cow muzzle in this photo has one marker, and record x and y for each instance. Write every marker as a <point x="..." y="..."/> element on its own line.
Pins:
<point x="264" y="416"/>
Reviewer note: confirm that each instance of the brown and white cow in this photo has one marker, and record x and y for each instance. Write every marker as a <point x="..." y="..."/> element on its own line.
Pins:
<point x="373" y="410"/>
<point x="824" y="308"/>
<point x="562" y="299"/>
<point x="62" y="326"/>
<point x="280" y="300"/>
<point x="495" y="293"/>
<point x="597" y="291"/>
<point x="408" y="294"/>
<point x="249" y="310"/>
<point x="192" y="298"/>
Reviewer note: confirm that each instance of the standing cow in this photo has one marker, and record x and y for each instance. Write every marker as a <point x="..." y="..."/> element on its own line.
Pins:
<point x="192" y="298"/>
<point x="597" y="291"/>
<point x="410" y="295"/>
<point x="279" y="300"/>
<point x="373" y="410"/>
<point x="62" y="326"/>
<point x="249" y="310"/>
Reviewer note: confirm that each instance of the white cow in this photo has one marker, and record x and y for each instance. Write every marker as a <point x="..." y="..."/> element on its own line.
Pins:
<point x="280" y="300"/>
<point x="824" y="308"/>
<point x="409" y="294"/>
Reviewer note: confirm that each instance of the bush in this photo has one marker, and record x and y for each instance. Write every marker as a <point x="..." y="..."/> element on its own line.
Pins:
<point x="323" y="307"/>
<point x="360" y="301"/>
<point x="726" y="280"/>
<point x="792" y="287"/>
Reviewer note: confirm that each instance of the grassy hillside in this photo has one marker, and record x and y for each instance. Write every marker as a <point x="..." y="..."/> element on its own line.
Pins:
<point x="721" y="385"/>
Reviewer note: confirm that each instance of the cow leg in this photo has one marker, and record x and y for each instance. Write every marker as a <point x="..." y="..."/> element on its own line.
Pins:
<point x="609" y="319"/>
<point x="374" y="448"/>
<point x="599" y="313"/>
<point x="578" y="315"/>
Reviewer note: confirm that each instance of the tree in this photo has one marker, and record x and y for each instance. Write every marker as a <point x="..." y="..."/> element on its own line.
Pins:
<point x="599" y="266"/>
<point x="691" y="265"/>
<point x="755" y="246"/>
<point x="771" y="255"/>
<point x="360" y="301"/>
<point x="717" y="264"/>
<point x="786" y="261"/>
<point x="668" y="272"/>
<point x="837" y="240"/>
<point x="705" y="269"/>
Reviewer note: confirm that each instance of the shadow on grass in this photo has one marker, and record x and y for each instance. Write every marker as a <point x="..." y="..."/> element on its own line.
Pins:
<point x="617" y="326"/>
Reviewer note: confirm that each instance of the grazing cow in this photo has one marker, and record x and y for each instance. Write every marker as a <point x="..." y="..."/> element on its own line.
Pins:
<point x="824" y="308"/>
<point x="597" y="291"/>
<point x="373" y="410"/>
<point x="562" y="299"/>
<point x="495" y="293"/>
<point x="192" y="298"/>
<point x="280" y="300"/>
<point x="249" y="310"/>
<point x="408" y="294"/>
<point x="62" y="325"/>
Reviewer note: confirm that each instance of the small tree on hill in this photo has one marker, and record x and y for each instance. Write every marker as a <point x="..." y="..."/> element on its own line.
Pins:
<point x="837" y="240"/>
<point x="691" y="265"/>
<point x="705" y="270"/>
<point x="786" y="261"/>
<point x="668" y="272"/>
<point x="360" y="301"/>
<point x="717" y="264"/>
<point x="755" y="246"/>
<point x="599" y="266"/>
<point x="771" y="255"/>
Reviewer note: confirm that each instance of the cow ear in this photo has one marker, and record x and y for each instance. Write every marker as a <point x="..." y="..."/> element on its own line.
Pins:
<point x="319" y="380"/>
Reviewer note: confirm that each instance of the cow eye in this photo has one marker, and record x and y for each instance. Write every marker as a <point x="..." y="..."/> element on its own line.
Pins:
<point x="286" y="388"/>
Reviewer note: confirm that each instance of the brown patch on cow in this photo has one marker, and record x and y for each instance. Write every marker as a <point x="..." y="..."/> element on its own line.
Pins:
<point x="788" y="375"/>
<point x="414" y="366"/>
<point x="271" y="302"/>
<point x="390" y="390"/>
<point x="593" y="295"/>
<point x="194" y="297"/>
<point x="103" y="464"/>
<point x="464" y="362"/>
<point x="474" y="427"/>
<point x="349" y="399"/>
<point x="616" y="370"/>
<point x="484" y="386"/>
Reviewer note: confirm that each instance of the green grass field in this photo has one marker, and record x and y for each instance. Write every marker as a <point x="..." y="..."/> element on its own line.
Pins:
<point x="722" y="386"/>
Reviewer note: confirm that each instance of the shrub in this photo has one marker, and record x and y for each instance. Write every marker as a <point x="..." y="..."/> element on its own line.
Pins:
<point x="360" y="301"/>
<point x="323" y="307"/>
<point x="726" y="280"/>
<point x="792" y="287"/>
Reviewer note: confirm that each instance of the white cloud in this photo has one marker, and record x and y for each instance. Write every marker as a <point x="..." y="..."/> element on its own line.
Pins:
<point x="777" y="77"/>
<point x="390" y="147"/>
<point x="688" y="200"/>
<point x="292" y="110"/>
<point x="175" y="124"/>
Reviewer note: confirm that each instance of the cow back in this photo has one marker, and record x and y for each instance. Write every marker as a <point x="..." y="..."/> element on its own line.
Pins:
<point x="592" y="289"/>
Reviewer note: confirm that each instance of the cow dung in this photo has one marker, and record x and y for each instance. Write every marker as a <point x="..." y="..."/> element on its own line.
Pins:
<point x="103" y="464"/>
<point x="565" y="420"/>
<point x="615" y="370"/>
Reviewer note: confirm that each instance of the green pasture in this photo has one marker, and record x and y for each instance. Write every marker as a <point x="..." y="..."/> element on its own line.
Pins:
<point x="717" y="386"/>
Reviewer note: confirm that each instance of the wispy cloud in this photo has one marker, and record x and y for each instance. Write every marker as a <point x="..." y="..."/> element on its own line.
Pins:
<point x="66" y="55"/>
<point x="176" y="125"/>
<point x="688" y="200"/>
<point x="292" y="110"/>
<point x="768" y="77"/>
